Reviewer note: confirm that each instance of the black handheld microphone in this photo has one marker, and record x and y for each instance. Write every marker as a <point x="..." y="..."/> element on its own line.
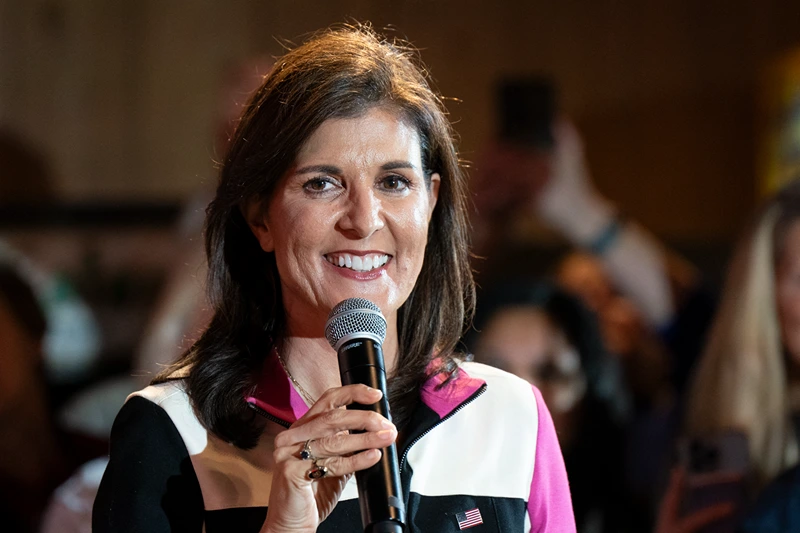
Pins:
<point x="356" y="329"/>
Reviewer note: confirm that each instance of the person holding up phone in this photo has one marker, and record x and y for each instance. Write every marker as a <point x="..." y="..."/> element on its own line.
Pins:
<point x="653" y="306"/>
<point x="749" y="376"/>
<point x="535" y="166"/>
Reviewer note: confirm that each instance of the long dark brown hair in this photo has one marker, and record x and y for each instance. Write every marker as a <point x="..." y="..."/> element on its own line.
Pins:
<point x="339" y="73"/>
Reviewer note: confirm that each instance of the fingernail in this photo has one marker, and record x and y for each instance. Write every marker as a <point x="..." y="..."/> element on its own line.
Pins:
<point x="387" y="434"/>
<point x="386" y="424"/>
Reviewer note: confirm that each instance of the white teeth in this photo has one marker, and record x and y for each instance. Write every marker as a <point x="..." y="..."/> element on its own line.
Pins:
<point x="358" y="263"/>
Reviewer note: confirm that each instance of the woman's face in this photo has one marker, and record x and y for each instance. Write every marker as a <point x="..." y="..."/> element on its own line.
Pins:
<point x="523" y="341"/>
<point x="788" y="292"/>
<point x="349" y="219"/>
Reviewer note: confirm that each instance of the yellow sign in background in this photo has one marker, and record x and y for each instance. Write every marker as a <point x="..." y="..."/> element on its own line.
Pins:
<point x="779" y="158"/>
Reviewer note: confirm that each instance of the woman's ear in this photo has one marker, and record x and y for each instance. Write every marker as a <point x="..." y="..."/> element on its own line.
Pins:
<point x="256" y="217"/>
<point x="433" y="194"/>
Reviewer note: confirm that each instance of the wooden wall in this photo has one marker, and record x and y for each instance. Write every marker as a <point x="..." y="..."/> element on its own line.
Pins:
<point x="121" y="95"/>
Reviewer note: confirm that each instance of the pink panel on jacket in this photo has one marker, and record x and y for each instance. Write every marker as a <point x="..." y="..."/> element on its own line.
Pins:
<point x="549" y="503"/>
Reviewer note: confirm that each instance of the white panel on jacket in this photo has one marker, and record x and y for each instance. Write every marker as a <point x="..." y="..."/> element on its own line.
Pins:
<point x="486" y="449"/>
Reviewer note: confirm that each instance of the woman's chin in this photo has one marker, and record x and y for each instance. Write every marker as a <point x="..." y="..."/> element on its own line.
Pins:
<point x="375" y="285"/>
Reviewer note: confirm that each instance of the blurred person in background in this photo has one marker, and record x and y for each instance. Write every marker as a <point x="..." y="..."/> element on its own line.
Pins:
<point x="549" y="338"/>
<point x="748" y="379"/>
<point x="625" y="331"/>
<point x="34" y="456"/>
<point x="652" y="305"/>
<point x="49" y="342"/>
<point x="182" y="311"/>
<point x="638" y="286"/>
<point x="72" y="341"/>
<point x="643" y="358"/>
<point x="178" y="317"/>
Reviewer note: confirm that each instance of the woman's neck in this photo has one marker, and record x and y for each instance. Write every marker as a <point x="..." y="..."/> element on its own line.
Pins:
<point x="315" y="365"/>
<point x="312" y="363"/>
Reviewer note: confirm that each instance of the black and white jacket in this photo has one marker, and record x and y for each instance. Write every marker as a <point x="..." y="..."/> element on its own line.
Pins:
<point x="480" y="453"/>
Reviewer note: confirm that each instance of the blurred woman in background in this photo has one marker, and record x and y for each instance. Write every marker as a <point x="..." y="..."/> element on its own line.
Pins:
<point x="546" y="336"/>
<point x="749" y="375"/>
<point x="32" y="455"/>
<point x="748" y="379"/>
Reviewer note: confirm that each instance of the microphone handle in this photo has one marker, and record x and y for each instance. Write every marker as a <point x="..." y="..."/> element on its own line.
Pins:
<point x="379" y="492"/>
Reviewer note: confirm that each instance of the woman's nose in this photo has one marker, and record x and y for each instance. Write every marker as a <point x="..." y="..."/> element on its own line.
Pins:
<point x="363" y="214"/>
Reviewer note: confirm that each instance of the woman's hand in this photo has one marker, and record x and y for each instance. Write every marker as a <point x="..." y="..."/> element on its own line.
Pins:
<point x="669" y="515"/>
<point x="568" y="202"/>
<point x="298" y="503"/>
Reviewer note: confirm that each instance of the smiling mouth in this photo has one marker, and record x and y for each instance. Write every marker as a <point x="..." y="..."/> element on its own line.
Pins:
<point x="358" y="263"/>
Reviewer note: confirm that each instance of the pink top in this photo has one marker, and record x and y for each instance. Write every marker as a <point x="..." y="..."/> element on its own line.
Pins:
<point x="549" y="503"/>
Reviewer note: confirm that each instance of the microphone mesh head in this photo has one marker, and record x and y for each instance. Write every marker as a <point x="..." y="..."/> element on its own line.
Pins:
<point x="352" y="316"/>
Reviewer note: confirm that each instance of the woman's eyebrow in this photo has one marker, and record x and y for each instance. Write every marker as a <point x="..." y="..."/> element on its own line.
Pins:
<point x="330" y="169"/>
<point x="393" y="165"/>
<point x="319" y="169"/>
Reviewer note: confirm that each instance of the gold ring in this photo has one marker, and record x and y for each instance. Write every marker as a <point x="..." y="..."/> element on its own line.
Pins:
<point x="318" y="472"/>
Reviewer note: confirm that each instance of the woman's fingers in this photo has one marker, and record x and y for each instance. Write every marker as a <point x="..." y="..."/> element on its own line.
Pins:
<point x="334" y="439"/>
<point x="344" y="465"/>
<point x="344" y="443"/>
<point x="298" y="472"/>
<point x="330" y="423"/>
<point x="342" y="396"/>
<point x="328" y="426"/>
<point x="326" y="416"/>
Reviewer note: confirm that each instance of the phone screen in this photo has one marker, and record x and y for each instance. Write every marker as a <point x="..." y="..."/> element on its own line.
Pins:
<point x="526" y="110"/>
<point x="717" y="468"/>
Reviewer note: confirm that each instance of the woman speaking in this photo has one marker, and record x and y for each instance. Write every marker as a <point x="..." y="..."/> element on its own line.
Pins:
<point x="342" y="181"/>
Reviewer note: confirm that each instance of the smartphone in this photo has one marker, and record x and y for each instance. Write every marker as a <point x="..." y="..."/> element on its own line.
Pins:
<point x="526" y="109"/>
<point x="717" y="467"/>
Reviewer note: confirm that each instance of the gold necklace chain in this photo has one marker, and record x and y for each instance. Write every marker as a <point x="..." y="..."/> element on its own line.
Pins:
<point x="304" y="393"/>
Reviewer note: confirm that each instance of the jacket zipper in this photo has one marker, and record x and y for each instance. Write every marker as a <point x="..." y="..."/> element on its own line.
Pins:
<point x="268" y="416"/>
<point x="448" y="416"/>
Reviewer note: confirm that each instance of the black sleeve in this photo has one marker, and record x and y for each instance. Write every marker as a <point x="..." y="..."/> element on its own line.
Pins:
<point x="149" y="484"/>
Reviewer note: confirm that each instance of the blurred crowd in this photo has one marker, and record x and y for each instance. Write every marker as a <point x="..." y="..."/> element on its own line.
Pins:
<point x="677" y="404"/>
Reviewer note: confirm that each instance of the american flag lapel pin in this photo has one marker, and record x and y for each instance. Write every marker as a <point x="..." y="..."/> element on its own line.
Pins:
<point x="469" y="519"/>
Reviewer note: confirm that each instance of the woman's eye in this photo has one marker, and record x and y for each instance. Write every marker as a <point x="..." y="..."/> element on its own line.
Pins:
<point x="395" y="183"/>
<point x="318" y="185"/>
